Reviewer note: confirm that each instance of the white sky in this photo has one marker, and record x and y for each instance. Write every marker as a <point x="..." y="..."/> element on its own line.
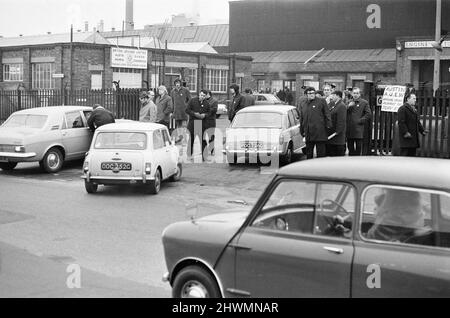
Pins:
<point x="30" y="17"/>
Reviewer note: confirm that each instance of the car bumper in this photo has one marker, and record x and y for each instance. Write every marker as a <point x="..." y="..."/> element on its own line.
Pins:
<point x="117" y="180"/>
<point x="166" y="277"/>
<point x="17" y="156"/>
<point x="250" y="152"/>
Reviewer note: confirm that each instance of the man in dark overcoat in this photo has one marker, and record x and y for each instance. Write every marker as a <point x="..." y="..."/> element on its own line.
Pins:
<point x="99" y="117"/>
<point x="409" y="127"/>
<point x="358" y="114"/>
<point x="338" y="110"/>
<point x="315" y="123"/>
<point x="197" y="109"/>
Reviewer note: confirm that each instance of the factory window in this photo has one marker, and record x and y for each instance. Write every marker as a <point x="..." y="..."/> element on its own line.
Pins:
<point x="13" y="72"/>
<point x="191" y="79"/>
<point x="216" y="80"/>
<point x="42" y="75"/>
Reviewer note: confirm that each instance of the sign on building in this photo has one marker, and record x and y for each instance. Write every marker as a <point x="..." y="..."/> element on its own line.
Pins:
<point x="393" y="98"/>
<point x="128" y="58"/>
<point x="423" y="44"/>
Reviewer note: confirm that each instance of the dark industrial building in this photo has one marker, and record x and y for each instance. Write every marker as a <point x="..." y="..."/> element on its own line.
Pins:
<point x="347" y="42"/>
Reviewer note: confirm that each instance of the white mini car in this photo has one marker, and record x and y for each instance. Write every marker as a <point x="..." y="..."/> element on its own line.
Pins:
<point x="131" y="152"/>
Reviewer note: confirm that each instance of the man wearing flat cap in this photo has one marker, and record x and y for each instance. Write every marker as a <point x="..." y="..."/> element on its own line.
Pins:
<point x="148" y="110"/>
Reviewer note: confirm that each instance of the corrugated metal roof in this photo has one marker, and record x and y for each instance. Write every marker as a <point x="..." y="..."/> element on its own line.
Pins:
<point x="203" y="47"/>
<point x="362" y="67"/>
<point x="373" y="55"/>
<point x="79" y="37"/>
<point x="215" y="34"/>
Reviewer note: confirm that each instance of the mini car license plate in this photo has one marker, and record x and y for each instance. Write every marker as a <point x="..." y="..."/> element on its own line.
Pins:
<point x="116" y="166"/>
<point x="251" y="145"/>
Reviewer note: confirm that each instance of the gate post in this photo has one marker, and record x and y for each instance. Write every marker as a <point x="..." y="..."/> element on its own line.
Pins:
<point x="19" y="99"/>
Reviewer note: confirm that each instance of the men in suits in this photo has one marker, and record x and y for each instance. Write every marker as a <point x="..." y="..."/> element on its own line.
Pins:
<point x="338" y="112"/>
<point x="409" y="127"/>
<point x="358" y="113"/>
<point x="99" y="117"/>
<point x="315" y="123"/>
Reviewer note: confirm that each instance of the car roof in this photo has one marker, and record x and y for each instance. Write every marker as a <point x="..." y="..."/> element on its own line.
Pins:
<point x="407" y="171"/>
<point x="281" y="109"/>
<point x="130" y="125"/>
<point x="52" y="109"/>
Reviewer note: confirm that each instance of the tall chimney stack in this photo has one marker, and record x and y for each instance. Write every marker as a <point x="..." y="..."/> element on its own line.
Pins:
<point x="86" y="26"/>
<point x="101" y="26"/>
<point x="129" y="23"/>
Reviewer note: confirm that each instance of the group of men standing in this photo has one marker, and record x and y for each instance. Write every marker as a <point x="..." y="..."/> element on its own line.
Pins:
<point x="332" y="126"/>
<point x="196" y="114"/>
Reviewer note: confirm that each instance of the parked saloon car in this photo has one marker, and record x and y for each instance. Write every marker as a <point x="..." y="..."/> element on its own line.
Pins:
<point x="130" y="152"/>
<point x="261" y="131"/>
<point x="324" y="228"/>
<point x="48" y="135"/>
<point x="267" y="99"/>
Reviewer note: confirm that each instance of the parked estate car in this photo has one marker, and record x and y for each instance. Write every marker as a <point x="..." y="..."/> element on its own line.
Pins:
<point x="328" y="227"/>
<point x="48" y="135"/>
<point x="262" y="131"/>
<point x="267" y="99"/>
<point x="130" y="152"/>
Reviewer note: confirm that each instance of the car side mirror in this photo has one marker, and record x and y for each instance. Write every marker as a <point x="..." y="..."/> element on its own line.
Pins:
<point x="191" y="210"/>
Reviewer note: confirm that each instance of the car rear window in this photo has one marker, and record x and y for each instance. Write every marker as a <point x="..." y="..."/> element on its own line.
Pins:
<point x="26" y="120"/>
<point x="121" y="140"/>
<point x="250" y="120"/>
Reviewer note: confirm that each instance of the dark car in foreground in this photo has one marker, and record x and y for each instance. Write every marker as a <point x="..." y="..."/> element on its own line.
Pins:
<point x="329" y="227"/>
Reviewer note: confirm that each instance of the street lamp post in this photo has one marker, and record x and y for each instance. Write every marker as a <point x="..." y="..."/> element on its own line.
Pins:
<point x="437" y="53"/>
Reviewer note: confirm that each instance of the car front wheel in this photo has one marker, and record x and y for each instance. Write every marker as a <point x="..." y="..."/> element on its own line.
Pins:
<point x="8" y="165"/>
<point x="52" y="161"/>
<point x="155" y="185"/>
<point x="195" y="282"/>
<point x="90" y="187"/>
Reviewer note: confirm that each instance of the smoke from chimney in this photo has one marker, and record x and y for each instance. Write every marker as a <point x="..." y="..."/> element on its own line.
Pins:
<point x="129" y="23"/>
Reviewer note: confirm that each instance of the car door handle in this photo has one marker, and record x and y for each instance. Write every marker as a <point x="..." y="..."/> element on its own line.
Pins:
<point x="334" y="250"/>
<point x="239" y="247"/>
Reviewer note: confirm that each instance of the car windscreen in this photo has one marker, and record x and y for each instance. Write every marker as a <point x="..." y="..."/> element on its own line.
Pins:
<point x="26" y="120"/>
<point x="121" y="140"/>
<point x="275" y="100"/>
<point x="254" y="119"/>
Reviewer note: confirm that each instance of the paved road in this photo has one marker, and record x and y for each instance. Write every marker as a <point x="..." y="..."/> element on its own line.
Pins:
<point x="48" y="221"/>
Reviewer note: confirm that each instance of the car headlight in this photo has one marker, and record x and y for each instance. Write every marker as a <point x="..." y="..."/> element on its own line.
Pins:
<point x="19" y="149"/>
